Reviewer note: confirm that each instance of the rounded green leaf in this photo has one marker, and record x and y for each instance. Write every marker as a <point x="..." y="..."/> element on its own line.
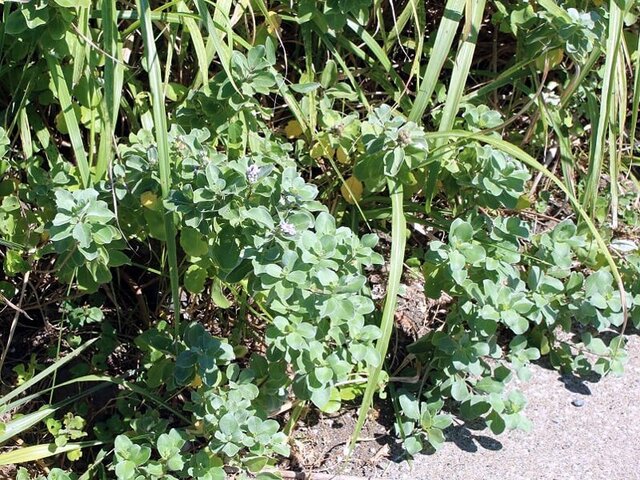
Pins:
<point x="193" y="242"/>
<point x="195" y="278"/>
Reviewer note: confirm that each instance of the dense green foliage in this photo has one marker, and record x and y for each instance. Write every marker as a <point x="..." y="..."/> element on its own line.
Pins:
<point x="192" y="195"/>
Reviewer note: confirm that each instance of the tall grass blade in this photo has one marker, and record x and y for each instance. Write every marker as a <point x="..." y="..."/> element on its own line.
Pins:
<point x="97" y="460"/>
<point x="418" y="10"/>
<point x="199" y="47"/>
<point x="98" y="378"/>
<point x="616" y="136"/>
<point x="343" y="65"/>
<point x="64" y="97"/>
<point x="398" y="242"/>
<point x="381" y="77"/>
<point x="160" y="128"/>
<point x="46" y="141"/>
<point x="24" y="422"/>
<point x="439" y="54"/>
<point x="295" y="107"/>
<point x="399" y="23"/>
<point x="158" y="14"/>
<point x="10" y="244"/>
<point x="564" y="145"/>
<point x="614" y="174"/>
<point x="312" y="97"/>
<point x="462" y="65"/>
<point x="81" y="50"/>
<point x="221" y="15"/>
<point x="378" y="52"/>
<point x="134" y="388"/>
<point x="506" y="77"/>
<point x="25" y="133"/>
<point x="474" y="14"/>
<point x="113" y="81"/>
<point x="636" y="100"/>
<point x="582" y="73"/>
<point x="607" y="99"/>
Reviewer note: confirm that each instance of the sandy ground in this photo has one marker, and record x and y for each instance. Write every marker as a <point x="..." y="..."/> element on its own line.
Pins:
<point x="598" y="440"/>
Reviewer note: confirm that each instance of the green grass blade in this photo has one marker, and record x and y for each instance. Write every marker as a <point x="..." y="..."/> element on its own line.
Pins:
<point x="134" y="388"/>
<point x="398" y="242"/>
<point x="607" y="99"/>
<point x="289" y="98"/>
<point x="566" y="155"/>
<point x="45" y="141"/>
<point x="10" y="244"/>
<point x="64" y="97"/>
<point x="295" y="107"/>
<point x="158" y="14"/>
<point x="507" y="77"/>
<point x="399" y="24"/>
<point x="474" y="15"/>
<point x="221" y="17"/>
<point x="583" y="71"/>
<point x="29" y="398"/>
<point x="462" y="66"/>
<point x="25" y="133"/>
<point x="80" y="50"/>
<point x="171" y="37"/>
<point x="312" y="97"/>
<point x="99" y="378"/>
<point x="43" y="374"/>
<point x="38" y="452"/>
<point x="160" y="128"/>
<point x="636" y="100"/>
<point x="24" y="422"/>
<point x="97" y="460"/>
<point x="441" y="48"/>
<point x="420" y="27"/>
<point x="378" y="52"/>
<point x="616" y="136"/>
<point x="113" y="81"/>
<point x="379" y="76"/>
<point x="614" y="174"/>
<point x="199" y="47"/>
<point x="20" y="424"/>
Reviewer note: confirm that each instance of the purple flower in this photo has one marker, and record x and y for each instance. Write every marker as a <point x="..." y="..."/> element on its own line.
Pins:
<point x="287" y="228"/>
<point x="252" y="173"/>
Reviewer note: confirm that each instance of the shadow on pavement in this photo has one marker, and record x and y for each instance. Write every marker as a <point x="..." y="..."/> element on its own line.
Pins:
<point x="466" y="440"/>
